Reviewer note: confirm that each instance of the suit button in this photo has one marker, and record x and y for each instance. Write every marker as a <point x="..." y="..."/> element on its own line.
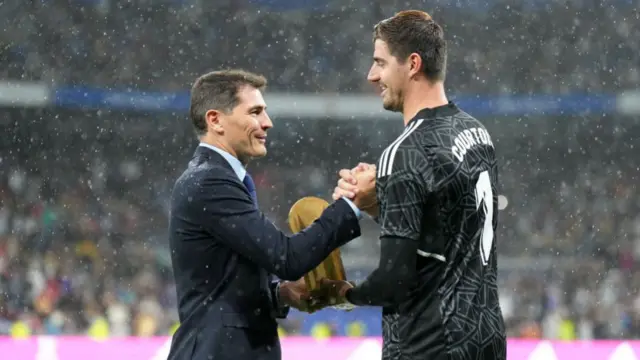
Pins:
<point x="257" y="311"/>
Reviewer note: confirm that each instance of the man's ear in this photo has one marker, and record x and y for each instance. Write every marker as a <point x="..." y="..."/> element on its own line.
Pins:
<point x="212" y="119"/>
<point x="415" y="64"/>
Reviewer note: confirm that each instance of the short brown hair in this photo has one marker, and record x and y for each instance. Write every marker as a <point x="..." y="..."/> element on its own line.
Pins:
<point x="218" y="90"/>
<point x="414" y="31"/>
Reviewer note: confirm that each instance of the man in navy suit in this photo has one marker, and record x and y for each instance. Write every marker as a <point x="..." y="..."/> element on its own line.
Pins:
<point x="223" y="249"/>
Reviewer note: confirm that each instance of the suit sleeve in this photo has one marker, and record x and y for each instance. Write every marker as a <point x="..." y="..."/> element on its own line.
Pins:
<point x="401" y="220"/>
<point x="228" y="214"/>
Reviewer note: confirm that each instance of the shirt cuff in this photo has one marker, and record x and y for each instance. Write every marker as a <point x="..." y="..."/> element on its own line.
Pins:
<point x="347" y="305"/>
<point x="346" y="295"/>
<point x="354" y="208"/>
<point x="281" y="310"/>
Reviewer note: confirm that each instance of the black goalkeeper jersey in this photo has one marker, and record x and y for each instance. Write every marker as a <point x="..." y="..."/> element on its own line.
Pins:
<point x="436" y="188"/>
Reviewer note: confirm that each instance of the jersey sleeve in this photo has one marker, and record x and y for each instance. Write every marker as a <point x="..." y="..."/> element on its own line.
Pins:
<point x="406" y="189"/>
<point x="401" y="220"/>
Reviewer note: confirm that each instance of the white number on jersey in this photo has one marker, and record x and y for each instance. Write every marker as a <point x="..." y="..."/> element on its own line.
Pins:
<point x="484" y="196"/>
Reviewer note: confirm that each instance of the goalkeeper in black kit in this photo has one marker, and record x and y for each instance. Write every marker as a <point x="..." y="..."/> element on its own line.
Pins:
<point x="435" y="200"/>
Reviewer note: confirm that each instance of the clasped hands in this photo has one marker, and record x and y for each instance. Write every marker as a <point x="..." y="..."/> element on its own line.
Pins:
<point x="358" y="185"/>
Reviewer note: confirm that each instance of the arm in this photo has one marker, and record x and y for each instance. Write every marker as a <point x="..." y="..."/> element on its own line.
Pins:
<point x="282" y="291"/>
<point x="392" y="281"/>
<point x="227" y="213"/>
<point x="401" y="222"/>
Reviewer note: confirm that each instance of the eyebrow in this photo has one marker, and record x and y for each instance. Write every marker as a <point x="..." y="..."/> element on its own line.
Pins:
<point x="257" y="107"/>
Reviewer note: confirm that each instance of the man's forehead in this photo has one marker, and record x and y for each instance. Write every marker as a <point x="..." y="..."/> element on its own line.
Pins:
<point x="251" y="96"/>
<point x="380" y="48"/>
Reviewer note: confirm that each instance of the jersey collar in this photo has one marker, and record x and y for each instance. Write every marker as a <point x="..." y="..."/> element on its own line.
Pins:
<point x="449" y="109"/>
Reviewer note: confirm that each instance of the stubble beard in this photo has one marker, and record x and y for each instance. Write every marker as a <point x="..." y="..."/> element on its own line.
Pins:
<point x="394" y="104"/>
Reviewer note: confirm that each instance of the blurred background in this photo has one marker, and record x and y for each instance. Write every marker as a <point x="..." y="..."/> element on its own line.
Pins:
<point x="93" y="99"/>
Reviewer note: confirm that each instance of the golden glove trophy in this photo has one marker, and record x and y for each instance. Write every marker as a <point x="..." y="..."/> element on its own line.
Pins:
<point x="302" y="214"/>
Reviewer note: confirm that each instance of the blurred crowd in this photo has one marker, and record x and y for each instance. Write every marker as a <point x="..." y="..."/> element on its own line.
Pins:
<point x="83" y="208"/>
<point x="499" y="46"/>
<point x="83" y="220"/>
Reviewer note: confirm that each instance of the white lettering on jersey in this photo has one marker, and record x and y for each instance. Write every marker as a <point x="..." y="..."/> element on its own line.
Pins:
<point x="467" y="139"/>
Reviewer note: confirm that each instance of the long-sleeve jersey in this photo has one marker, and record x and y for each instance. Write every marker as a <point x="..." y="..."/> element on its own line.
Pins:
<point x="436" y="280"/>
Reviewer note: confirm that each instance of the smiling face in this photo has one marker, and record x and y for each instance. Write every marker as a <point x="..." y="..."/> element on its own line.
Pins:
<point x="409" y="47"/>
<point x="243" y="130"/>
<point x="390" y="75"/>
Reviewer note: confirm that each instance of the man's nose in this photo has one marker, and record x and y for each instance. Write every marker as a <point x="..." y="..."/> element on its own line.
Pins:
<point x="373" y="76"/>
<point x="266" y="122"/>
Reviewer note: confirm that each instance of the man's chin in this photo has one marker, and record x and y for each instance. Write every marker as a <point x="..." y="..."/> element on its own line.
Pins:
<point x="390" y="106"/>
<point x="259" y="152"/>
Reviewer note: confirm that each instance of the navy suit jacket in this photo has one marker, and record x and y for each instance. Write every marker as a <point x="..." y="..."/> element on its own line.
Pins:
<point x="223" y="252"/>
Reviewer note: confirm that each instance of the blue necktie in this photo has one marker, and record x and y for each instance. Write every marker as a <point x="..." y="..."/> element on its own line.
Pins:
<point x="251" y="186"/>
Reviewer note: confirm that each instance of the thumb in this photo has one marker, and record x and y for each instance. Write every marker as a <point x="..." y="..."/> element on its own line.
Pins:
<point x="361" y="166"/>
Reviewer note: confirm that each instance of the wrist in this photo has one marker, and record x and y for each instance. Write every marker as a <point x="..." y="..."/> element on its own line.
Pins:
<point x="345" y="303"/>
<point x="346" y="295"/>
<point x="345" y="290"/>
<point x="280" y="293"/>
<point x="374" y="212"/>
<point x="280" y="307"/>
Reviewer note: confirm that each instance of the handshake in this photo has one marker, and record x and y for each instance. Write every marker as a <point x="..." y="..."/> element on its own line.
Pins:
<point x="359" y="186"/>
<point x="315" y="291"/>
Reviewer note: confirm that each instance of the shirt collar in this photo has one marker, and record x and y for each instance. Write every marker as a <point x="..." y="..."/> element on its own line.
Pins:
<point x="236" y="165"/>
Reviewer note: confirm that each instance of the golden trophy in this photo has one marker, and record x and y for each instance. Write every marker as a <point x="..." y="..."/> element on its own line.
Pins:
<point x="302" y="214"/>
